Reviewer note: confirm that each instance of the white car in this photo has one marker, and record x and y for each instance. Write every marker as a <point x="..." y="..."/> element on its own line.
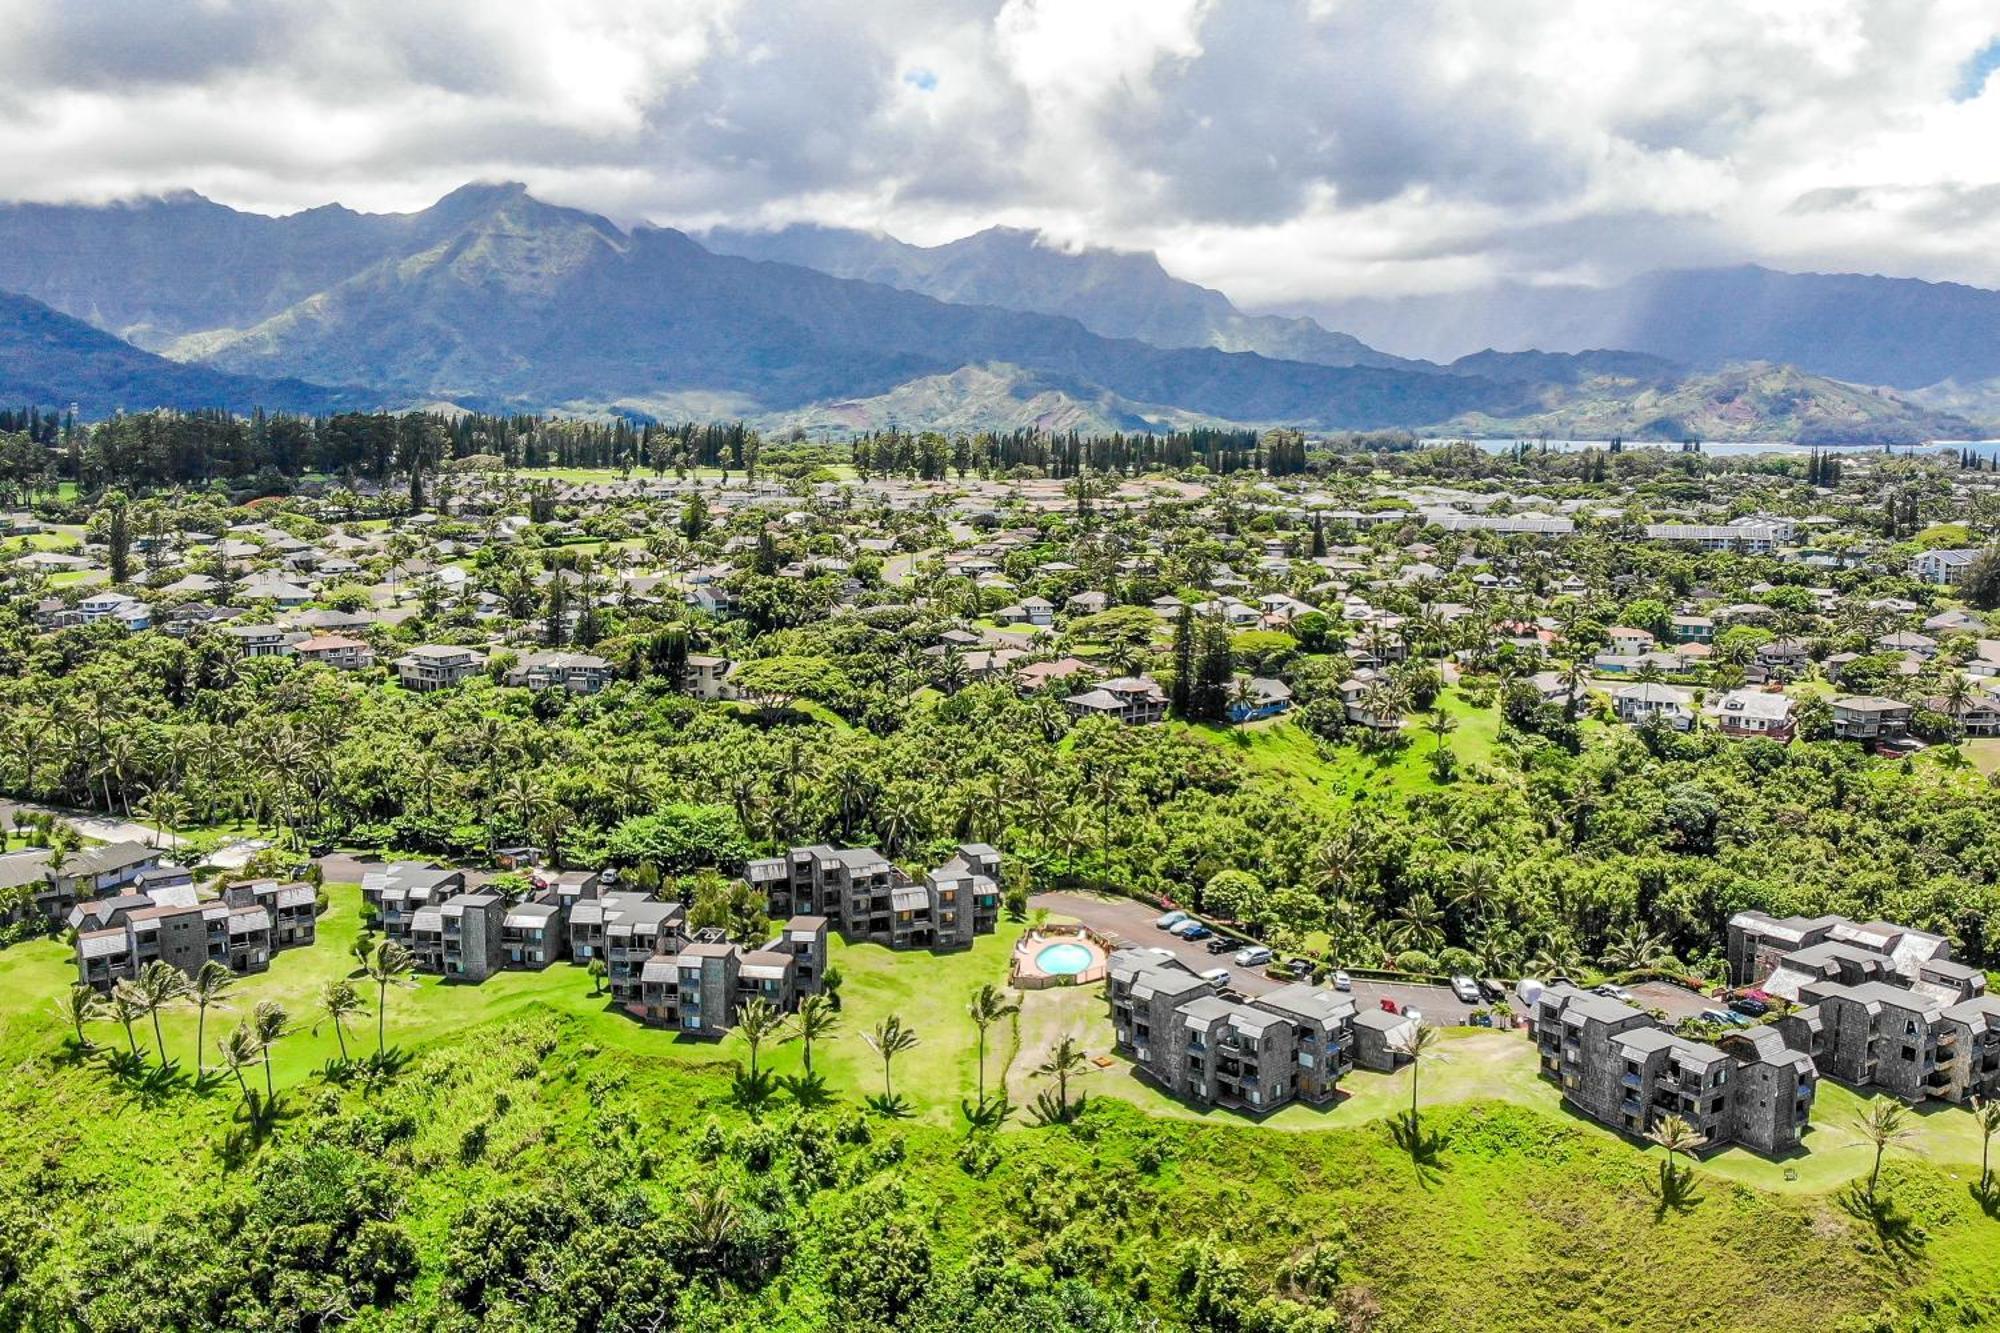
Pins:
<point x="1170" y="920"/>
<point x="1466" y="989"/>
<point x="1341" y="981"/>
<point x="1254" y="956"/>
<point x="1414" y="1015"/>
<point x="1218" y="975"/>
<point x="1182" y="928"/>
<point x="1157" y="951"/>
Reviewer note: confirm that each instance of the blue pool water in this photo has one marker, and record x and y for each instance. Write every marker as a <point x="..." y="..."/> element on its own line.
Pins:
<point x="1063" y="960"/>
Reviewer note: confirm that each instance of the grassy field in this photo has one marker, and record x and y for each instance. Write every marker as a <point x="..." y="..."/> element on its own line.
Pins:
<point x="1512" y="1213"/>
<point x="928" y="991"/>
<point x="1325" y="780"/>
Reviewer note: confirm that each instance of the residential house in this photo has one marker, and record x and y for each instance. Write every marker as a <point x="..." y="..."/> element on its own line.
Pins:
<point x="438" y="666"/>
<point x="579" y="673"/>
<point x="1265" y="697"/>
<point x="334" y="650"/>
<point x="258" y="640"/>
<point x="1135" y="701"/>
<point x="1863" y="717"/>
<point x="708" y="677"/>
<point x="1753" y="713"/>
<point x="1946" y="568"/>
<point x="1643" y="703"/>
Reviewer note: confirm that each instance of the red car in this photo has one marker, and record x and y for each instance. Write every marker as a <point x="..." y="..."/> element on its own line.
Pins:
<point x="1390" y="1005"/>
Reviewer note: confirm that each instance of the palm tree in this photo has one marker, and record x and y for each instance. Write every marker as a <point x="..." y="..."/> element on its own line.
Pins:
<point x="268" y="1023"/>
<point x="1677" y="1136"/>
<point x="207" y="988"/>
<point x="239" y="1051"/>
<point x="712" y="1227"/>
<point x="339" y="1001"/>
<point x="126" y="1007"/>
<point x="388" y="963"/>
<point x="1441" y="725"/>
<point x="889" y="1040"/>
<point x="1421" y="1044"/>
<point x="1883" y="1128"/>
<point x="158" y="985"/>
<point x="989" y="1005"/>
<point x="1988" y="1117"/>
<point x="815" y="1019"/>
<point x="82" y="1004"/>
<point x="1066" y="1061"/>
<point x="758" y="1020"/>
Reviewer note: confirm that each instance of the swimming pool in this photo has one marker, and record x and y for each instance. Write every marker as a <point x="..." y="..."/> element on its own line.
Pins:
<point x="1063" y="960"/>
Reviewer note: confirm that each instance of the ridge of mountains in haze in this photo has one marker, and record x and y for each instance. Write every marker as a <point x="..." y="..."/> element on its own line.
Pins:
<point x="494" y="299"/>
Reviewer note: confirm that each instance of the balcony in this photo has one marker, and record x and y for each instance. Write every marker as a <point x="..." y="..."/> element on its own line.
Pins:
<point x="1633" y="1081"/>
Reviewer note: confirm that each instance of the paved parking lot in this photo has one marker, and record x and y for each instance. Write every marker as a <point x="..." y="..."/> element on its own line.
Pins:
<point x="1126" y="919"/>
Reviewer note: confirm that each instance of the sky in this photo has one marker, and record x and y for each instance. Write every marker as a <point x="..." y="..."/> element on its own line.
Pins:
<point x="1285" y="151"/>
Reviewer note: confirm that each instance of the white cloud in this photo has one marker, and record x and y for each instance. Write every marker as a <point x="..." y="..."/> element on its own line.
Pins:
<point x="1284" y="150"/>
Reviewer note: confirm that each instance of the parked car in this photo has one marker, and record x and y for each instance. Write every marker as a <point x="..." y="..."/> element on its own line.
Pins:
<point x="1191" y="930"/>
<point x="1390" y="1005"/>
<point x="1492" y="990"/>
<point x="1466" y="989"/>
<point x="1299" y="968"/>
<point x="1218" y="975"/>
<point x="1414" y="1014"/>
<point x="1170" y="920"/>
<point x="1220" y="943"/>
<point x="1724" y="1017"/>
<point x="1612" y="992"/>
<point x="1481" y="1020"/>
<point x="1341" y="981"/>
<point x="1254" y="956"/>
<point x="1157" y="951"/>
<point x="1743" y="1004"/>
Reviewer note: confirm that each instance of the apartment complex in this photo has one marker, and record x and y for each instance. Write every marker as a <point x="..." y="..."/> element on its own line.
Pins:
<point x="655" y="967"/>
<point x="865" y="896"/>
<point x="1249" y="1055"/>
<point x="1620" y="1068"/>
<point x="1879" y="1005"/>
<point x="252" y="920"/>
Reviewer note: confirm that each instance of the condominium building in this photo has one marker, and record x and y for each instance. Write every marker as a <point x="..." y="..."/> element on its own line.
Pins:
<point x="864" y="896"/>
<point x="399" y="890"/>
<point x="117" y="937"/>
<point x="1620" y="1068"/>
<point x="1253" y="1055"/>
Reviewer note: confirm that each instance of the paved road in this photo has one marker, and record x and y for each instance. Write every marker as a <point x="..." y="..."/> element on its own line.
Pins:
<point x="1132" y="921"/>
<point x="94" y="825"/>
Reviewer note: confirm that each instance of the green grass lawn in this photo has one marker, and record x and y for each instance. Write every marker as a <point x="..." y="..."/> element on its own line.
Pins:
<point x="1518" y="1216"/>
<point x="1324" y="781"/>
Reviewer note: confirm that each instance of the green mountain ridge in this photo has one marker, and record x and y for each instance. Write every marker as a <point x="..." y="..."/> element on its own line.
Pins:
<point x="51" y="360"/>
<point x="1120" y="294"/>
<point x="493" y="299"/>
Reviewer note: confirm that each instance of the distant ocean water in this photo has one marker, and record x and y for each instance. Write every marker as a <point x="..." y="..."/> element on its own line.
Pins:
<point x="1985" y="448"/>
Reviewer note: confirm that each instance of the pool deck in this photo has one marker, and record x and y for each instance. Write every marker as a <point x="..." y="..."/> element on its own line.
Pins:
<point x="1028" y="972"/>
